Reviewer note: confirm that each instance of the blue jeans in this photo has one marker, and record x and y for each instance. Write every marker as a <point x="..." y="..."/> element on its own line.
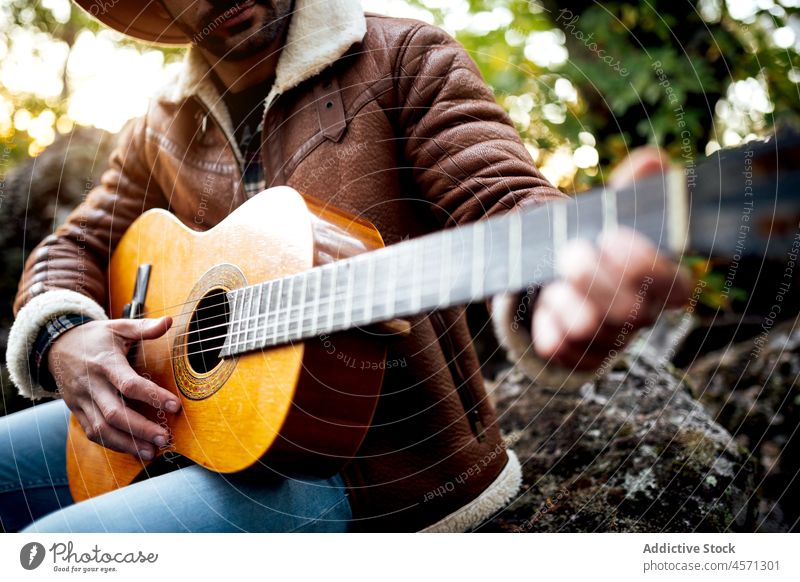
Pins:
<point x="34" y="492"/>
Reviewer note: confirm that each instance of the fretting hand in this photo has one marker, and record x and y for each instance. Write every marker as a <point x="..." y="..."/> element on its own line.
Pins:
<point x="606" y="290"/>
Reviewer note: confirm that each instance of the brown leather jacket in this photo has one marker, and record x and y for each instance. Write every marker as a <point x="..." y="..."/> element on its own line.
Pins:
<point x="390" y="120"/>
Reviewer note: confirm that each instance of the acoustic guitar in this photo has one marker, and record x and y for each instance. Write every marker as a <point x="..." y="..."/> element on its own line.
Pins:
<point x="267" y="303"/>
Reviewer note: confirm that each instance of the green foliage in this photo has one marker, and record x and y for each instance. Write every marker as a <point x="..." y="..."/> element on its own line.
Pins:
<point x="699" y="46"/>
<point x="607" y="54"/>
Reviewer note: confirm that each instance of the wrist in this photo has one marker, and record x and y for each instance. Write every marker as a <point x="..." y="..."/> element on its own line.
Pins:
<point x="42" y="368"/>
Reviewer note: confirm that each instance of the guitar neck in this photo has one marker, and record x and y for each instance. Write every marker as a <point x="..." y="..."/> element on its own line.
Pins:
<point x="456" y="266"/>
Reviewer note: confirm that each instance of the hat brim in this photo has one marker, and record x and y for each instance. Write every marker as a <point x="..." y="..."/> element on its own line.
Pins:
<point x="139" y="20"/>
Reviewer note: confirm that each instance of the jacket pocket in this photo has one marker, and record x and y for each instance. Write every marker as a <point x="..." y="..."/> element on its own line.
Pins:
<point x="469" y="402"/>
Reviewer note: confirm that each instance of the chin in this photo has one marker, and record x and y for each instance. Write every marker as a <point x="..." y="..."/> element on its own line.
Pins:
<point x="247" y="44"/>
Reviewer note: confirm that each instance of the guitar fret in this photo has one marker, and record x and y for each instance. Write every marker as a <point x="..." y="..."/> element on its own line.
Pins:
<point x="559" y="226"/>
<point x="444" y="281"/>
<point x="416" y="276"/>
<point x="301" y="306"/>
<point x="370" y="287"/>
<point x="263" y="341"/>
<point x="332" y="294"/>
<point x="259" y="308"/>
<point x="276" y="313"/>
<point x="317" y="299"/>
<point x="240" y="318"/>
<point x="478" y="259"/>
<point x="348" y="299"/>
<point x="609" y="200"/>
<point x="234" y="319"/>
<point x="247" y="321"/>
<point x="515" y="251"/>
<point x="288" y="313"/>
<point x="252" y="319"/>
<point x="391" y="284"/>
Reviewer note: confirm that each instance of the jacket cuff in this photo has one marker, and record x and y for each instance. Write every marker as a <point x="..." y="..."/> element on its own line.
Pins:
<point x="496" y="496"/>
<point x="511" y="322"/>
<point x="27" y="325"/>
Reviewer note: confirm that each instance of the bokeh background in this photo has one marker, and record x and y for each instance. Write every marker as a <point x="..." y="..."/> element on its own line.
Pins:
<point x="729" y="69"/>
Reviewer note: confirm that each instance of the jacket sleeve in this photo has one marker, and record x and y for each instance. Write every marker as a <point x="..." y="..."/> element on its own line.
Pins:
<point x="65" y="273"/>
<point x="469" y="162"/>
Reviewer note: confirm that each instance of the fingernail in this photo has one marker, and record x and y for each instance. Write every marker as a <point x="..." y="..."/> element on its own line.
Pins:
<point x="160" y="441"/>
<point x="145" y="454"/>
<point x="171" y="406"/>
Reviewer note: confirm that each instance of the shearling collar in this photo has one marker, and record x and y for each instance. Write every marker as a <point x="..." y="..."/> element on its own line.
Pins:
<point x="319" y="33"/>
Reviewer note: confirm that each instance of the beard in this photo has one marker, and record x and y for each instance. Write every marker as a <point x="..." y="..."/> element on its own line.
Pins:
<point x="245" y="39"/>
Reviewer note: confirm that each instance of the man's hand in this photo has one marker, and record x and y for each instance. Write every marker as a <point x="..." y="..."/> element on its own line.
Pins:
<point x="92" y="373"/>
<point x="606" y="290"/>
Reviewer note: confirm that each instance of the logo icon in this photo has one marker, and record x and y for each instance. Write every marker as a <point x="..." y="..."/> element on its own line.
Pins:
<point x="31" y="555"/>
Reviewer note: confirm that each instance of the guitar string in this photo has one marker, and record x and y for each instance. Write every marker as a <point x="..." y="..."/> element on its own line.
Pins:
<point x="323" y="302"/>
<point x="339" y="293"/>
<point x="427" y="252"/>
<point x="526" y="213"/>
<point x="290" y="323"/>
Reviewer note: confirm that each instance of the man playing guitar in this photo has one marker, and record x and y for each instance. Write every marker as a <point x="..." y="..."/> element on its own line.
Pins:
<point x="386" y="118"/>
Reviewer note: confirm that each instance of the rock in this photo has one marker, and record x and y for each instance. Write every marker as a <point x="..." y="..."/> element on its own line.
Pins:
<point x="633" y="452"/>
<point x="752" y="390"/>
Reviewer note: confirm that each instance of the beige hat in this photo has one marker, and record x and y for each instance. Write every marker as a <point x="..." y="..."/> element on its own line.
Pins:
<point x="141" y="20"/>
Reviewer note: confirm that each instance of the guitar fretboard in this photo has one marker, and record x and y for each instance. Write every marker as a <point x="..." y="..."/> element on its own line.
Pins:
<point x="456" y="266"/>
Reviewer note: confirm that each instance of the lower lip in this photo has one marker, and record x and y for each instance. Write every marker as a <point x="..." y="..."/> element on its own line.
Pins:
<point x="244" y="12"/>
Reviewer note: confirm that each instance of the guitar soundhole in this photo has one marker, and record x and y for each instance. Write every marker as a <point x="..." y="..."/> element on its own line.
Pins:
<point x="206" y="333"/>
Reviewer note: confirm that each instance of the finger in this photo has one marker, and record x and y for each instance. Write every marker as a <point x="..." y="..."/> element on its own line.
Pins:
<point x="642" y="269"/>
<point x="581" y="265"/>
<point x="120" y="416"/>
<point x="141" y="329"/>
<point x="641" y="162"/>
<point x="576" y="316"/>
<point x="547" y="332"/>
<point x="633" y="255"/>
<point x="551" y="344"/>
<point x="99" y="431"/>
<point x="132" y="385"/>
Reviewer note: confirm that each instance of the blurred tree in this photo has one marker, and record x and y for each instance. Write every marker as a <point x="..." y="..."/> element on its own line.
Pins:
<point x="600" y="78"/>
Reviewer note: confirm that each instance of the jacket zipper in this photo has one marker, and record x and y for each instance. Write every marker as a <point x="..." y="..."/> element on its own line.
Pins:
<point x="204" y="125"/>
<point x="468" y="401"/>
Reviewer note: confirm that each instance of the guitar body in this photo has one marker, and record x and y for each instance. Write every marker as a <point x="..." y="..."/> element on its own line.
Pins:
<point x="301" y="407"/>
